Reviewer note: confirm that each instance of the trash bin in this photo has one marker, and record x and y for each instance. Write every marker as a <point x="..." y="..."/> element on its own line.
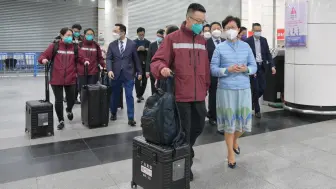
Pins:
<point x="275" y="83"/>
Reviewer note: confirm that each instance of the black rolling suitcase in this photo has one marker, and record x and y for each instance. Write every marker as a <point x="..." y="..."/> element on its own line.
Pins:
<point x="40" y="114"/>
<point x="158" y="167"/>
<point x="95" y="104"/>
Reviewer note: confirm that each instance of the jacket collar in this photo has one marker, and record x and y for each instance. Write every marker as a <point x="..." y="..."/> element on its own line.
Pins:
<point x="185" y="29"/>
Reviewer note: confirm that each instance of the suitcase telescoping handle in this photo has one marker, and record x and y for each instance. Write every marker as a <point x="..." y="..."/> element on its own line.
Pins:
<point x="86" y="72"/>
<point x="46" y="70"/>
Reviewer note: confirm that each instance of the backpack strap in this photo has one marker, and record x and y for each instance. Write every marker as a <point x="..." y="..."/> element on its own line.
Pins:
<point x="54" y="53"/>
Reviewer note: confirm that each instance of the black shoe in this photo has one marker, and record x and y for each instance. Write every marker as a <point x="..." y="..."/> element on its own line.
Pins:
<point x="142" y="98"/>
<point x="191" y="176"/>
<point x="212" y="122"/>
<point x="232" y="165"/>
<point x="131" y="123"/>
<point x="60" y="126"/>
<point x="221" y="132"/>
<point x="77" y="102"/>
<point x="70" y="116"/>
<point x="113" y="117"/>
<point x="258" y="115"/>
<point x="139" y="100"/>
<point x="237" y="151"/>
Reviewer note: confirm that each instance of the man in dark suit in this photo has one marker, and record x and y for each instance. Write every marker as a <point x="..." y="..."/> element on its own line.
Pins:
<point x="153" y="47"/>
<point x="216" y="31"/>
<point x="264" y="61"/>
<point x="123" y="65"/>
<point x="142" y="45"/>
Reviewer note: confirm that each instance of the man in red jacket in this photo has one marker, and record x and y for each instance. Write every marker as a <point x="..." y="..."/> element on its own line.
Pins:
<point x="184" y="53"/>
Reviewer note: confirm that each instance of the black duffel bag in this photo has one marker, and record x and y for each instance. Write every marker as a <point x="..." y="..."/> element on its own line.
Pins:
<point x="160" y="121"/>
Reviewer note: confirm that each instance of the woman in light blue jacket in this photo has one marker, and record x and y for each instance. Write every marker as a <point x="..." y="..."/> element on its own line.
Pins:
<point x="233" y="62"/>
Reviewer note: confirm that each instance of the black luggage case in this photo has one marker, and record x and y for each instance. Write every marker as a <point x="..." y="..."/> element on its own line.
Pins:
<point x="157" y="167"/>
<point x="40" y="114"/>
<point x="95" y="104"/>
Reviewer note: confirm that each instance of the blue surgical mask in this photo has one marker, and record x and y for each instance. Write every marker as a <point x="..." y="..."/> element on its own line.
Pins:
<point x="76" y="34"/>
<point x="257" y="34"/>
<point x="244" y="37"/>
<point x="67" y="40"/>
<point x="197" y="28"/>
<point x="89" y="37"/>
<point x="159" y="39"/>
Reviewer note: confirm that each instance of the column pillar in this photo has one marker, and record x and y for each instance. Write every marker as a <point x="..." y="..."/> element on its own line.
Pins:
<point x="110" y="20"/>
<point x="101" y="22"/>
<point x="310" y="72"/>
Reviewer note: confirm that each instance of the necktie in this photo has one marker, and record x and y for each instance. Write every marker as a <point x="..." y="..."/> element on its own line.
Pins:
<point x="217" y="41"/>
<point x="122" y="49"/>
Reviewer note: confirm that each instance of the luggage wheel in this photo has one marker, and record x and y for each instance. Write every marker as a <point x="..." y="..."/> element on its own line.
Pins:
<point x="26" y="130"/>
<point x="133" y="185"/>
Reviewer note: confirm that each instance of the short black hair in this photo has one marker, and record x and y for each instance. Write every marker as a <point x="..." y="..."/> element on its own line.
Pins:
<point x="64" y="30"/>
<point x="215" y="23"/>
<point x="231" y="18"/>
<point x="160" y="31"/>
<point x="195" y="7"/>
<point x="171" y="29"/>
<point x="206" y="25"/>
<point x="255" y="24"/>
<point x="141" y="29"/>
<point x="77" y="26"/>
<point x="89" y="29"/>
<point x="122" y="27"/>
<point x="242" y="29"/>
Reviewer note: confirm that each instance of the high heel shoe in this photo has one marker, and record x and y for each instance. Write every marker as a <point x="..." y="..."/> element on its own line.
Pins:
<point x="232" y="165"/>
<point x="237" y="151"/>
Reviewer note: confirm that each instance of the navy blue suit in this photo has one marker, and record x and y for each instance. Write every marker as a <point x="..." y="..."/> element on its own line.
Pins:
<point x="125" y="67"/>
<point x="258" y="83"/>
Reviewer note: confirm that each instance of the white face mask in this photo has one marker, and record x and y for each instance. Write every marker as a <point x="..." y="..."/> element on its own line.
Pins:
<point x="117" y="35"/>
<point x="231" y="34"/>
<point x="207" y="35"/>
<point x="257" y="34"/>
<point x="216" y="34"/>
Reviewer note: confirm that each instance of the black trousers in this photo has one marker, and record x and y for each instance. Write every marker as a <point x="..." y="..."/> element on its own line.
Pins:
<point x="152" y="79"/>
<point x="70" y="97"/>
<point x="258" y="85"/>
<point x="140" y="85"/>
<point x="212" y="99"/>
<point x="192" y="120"/>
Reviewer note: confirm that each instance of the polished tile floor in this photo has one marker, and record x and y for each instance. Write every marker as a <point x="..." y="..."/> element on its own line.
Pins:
<point x="283" y="151"/>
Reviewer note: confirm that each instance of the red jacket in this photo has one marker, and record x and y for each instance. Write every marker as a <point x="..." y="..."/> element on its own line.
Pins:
<point x="92" y="53"/>
<point x="63" y="69"/>
<point x="186" y="55"/>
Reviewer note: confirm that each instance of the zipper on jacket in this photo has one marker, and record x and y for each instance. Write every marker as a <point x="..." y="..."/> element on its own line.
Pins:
<point x="65" y="62"/>
<point x="194" y="63"/>
<point x="190" y="58"/>
<point x="199" y="62"/>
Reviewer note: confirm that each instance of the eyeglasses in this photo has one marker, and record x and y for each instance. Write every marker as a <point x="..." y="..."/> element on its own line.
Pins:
<point x="199" y="21"/>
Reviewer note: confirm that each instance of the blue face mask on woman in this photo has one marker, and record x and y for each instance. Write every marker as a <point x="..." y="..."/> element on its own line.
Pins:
<point x="68" y="39"/>
<point x="197" y="28"/>
<point x="244" y="37"/>
<point x="89" y="37"/>
<point x="76" y="34"/>
<point x="159" y="39"/>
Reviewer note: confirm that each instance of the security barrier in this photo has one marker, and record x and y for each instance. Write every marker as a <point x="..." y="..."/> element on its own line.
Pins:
<point x="19" y="63"/>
